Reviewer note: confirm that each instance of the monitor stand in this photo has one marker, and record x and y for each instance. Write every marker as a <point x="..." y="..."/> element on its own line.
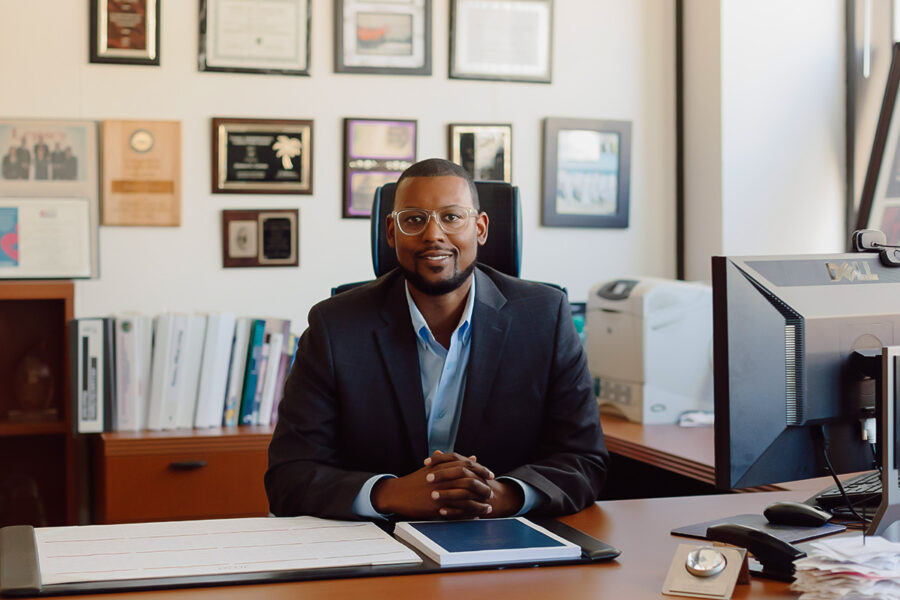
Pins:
<point x="887" y="519"/>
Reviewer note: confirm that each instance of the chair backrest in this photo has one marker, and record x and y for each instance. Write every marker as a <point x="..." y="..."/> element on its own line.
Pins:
<point x="503" y="249"/>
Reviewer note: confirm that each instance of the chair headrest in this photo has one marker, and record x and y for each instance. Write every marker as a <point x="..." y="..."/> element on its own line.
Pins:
<point x="503" y="249"/>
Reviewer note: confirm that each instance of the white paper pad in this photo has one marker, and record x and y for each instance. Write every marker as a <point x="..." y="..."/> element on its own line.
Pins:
<point x="844" y="567"/>
<point x="212" y="547"/>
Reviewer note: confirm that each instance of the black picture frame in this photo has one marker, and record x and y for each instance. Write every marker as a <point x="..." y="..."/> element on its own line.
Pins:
<point x="135" y="39"/>
<point x="208" y="59"/>
<point x="283" y="165"/>
<point x="374" y="53"/>
<point x="376" y="151"/>
<point x="482" y="149"/>
<point x="586" y="173"/>
<point x="474" y="20"/>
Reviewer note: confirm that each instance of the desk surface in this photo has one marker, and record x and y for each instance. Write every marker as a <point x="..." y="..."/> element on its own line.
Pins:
<point x="640" y="528"/>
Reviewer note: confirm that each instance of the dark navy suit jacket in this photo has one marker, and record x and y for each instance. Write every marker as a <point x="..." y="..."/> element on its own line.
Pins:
<point x="353" y="404"/>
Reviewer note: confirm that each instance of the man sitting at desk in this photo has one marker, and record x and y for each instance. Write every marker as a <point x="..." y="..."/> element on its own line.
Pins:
<point x="442" y="389"/>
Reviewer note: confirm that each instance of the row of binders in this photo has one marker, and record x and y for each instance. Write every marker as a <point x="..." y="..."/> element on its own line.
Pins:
<point x="177" y="371"/>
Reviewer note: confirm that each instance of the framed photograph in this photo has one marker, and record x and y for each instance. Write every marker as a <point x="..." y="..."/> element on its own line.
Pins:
<point x="43" y="161"/>
<point x="125" y="32"/>
<point x="501" y="40"/>
<point x="484" y="150"/>
<point x="260" y="238"/>
<point x="261" y="156"/>
<point x="141" y="173"/>
<point x="255" y="36"/>
<point x="587" y="165"/>
<point x="376" y="151"/>
<point x="385" y="38"/>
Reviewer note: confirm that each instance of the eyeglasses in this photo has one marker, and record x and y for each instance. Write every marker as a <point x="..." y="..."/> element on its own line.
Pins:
<point x="452" y="219"/>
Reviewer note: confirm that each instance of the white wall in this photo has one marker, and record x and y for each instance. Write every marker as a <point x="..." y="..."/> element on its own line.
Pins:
<point x="612" y="60"/>
<point x="781" y="117"/>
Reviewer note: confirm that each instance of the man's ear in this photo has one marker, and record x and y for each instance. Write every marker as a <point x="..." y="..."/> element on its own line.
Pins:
<point x="389" y="229"/>
<point x="481" y="228"/>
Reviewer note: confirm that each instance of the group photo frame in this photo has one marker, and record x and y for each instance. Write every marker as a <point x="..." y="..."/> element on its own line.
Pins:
<point x="262" y="156"/>
<point x="49" y="199"/>
<point x="386" y="38"/>
<point x="586" y="173"/>
<point x="125" y="32"/>
<point x="274" y="41"/>
<point x="501" y="40"/>
<point x="484" y="150"/>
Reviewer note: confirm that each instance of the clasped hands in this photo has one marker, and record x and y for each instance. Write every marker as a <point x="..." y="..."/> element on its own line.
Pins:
<point x="448" y="486"/>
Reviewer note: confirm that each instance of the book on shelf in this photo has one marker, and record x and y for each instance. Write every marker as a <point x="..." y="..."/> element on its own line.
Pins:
<point x="270" y="381"/>
<point x="236" y="370"/>
<point x="192" y="360"/>
<point x="166" y="370"/>
<point x="134" y="349"/>
<point x="287" y="361"/>
<point x="217" y="349"/>
<point x="93" y="373"/>
<point x="251" y="377"/>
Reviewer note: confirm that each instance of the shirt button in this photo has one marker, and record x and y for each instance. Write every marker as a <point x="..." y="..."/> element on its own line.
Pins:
<point x="441" y="414"/>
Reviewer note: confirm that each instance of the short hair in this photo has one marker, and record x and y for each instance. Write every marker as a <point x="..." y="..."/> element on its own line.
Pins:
<point x="439" y="167"/>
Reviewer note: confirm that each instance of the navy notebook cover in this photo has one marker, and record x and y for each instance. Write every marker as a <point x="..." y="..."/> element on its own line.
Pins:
<point x="486" y="534"/>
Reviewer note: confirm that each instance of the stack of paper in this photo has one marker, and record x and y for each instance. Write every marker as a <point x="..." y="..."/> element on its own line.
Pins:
<point x="845" y="567"/>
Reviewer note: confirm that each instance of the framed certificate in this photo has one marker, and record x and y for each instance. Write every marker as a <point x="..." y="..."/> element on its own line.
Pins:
<point x="45" y="238"/>
<point x="484" y="150"/>
<point x="385" y="38"/>
<point x="262" y="156"/>
<point x="260" y="238"/>
<point x="587" y="165"/>
<point x="43" y="160"/>
<point x="501" y="40"/>
<point x="255" y="36"/>
<point x="125" y="32"/>
<point x="376" y="151"/>
<point x="141" y="173"/>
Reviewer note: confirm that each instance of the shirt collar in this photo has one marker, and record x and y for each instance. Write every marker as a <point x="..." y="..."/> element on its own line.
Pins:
<point x="464" y="327"/>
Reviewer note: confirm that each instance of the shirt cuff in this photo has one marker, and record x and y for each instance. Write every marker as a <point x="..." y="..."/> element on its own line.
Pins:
<point x="532" y="497"/>
<point x="362" y="504"/>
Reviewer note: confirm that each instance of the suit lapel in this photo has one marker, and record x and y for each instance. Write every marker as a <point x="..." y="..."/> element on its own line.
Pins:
<point x="489" y="328"/>
<point x="397" y="343"/>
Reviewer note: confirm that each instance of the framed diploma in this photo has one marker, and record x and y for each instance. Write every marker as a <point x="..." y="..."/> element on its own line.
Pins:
<point x="141" y="172"/>
<point x="501" y="40"/>
<point x="125" y="32"/>
<point x="260" y="238"/>
<point x="262" y="156"/>
<point x="484" y="150"/>
<point x="376" y="151"/>
<point x="43" y="160"/>
<point x="45" y="238"/>
<point x="255" y="36"/>
<point x="586" y="173"/>
<point x="385" y="38"/>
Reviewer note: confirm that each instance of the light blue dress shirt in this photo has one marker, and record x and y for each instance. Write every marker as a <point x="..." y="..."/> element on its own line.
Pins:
<point x="443" y="374"/>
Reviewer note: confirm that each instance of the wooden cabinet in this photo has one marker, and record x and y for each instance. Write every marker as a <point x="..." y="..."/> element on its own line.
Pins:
<point x="39" y="483"/>
<point x="184" y="474"/>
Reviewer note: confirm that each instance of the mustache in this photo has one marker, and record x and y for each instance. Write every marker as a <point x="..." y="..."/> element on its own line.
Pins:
<point x="450" y="250"/>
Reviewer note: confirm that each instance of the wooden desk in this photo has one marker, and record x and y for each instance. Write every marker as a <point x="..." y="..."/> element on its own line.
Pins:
<point x="640" y="528"/>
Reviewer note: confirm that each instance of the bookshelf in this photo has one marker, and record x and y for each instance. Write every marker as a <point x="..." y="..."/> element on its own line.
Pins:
<point x="39" y="482"/>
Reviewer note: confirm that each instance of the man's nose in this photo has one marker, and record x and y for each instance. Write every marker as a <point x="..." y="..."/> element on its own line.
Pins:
<point x="433" y="229"/>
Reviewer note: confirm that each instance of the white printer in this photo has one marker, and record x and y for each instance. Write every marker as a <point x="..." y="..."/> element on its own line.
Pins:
<point x="649" y="347"/>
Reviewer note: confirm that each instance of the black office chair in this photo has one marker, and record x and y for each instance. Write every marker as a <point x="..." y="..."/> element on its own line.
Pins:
<point x="502" y="251"/>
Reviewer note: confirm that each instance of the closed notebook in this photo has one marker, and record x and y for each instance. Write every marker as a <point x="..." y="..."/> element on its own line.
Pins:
<point x="485" y="541"/>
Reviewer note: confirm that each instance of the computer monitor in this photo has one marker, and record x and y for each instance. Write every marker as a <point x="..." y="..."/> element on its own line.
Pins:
<point x="784" y="331"/>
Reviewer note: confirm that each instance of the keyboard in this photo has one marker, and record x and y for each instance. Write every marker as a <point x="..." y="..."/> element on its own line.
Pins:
<point x="864" y="491"/>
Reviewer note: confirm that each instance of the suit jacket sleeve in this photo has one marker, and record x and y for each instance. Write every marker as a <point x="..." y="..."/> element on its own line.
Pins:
<point x="571" y="460"/>
<point x="303" y="475"/>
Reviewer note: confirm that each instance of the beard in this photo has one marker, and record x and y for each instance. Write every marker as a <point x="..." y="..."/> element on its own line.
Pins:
<point x="438" y="288"/>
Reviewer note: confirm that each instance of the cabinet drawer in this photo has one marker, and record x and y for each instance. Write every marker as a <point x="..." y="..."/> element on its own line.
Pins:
<point x="164" y="478"/>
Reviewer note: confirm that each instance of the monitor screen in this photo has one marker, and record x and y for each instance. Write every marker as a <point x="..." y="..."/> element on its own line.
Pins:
<point x="786" y="388"/>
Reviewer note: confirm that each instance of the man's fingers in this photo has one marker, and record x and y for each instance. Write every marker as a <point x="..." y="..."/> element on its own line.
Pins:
<point x="442" y="457"/>
<point x="472" y="467"/>
<point x="476" y="490"/>
<point x="465" y="509"/>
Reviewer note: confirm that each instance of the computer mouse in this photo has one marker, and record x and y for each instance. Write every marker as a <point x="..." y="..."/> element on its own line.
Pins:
<point x="796" y="513"/>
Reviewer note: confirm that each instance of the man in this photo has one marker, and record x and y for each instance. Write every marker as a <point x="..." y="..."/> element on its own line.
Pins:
<point x="442" y="389"/>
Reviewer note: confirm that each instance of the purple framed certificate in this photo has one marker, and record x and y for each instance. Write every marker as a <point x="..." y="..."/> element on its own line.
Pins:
<point x="376" y="151"/>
